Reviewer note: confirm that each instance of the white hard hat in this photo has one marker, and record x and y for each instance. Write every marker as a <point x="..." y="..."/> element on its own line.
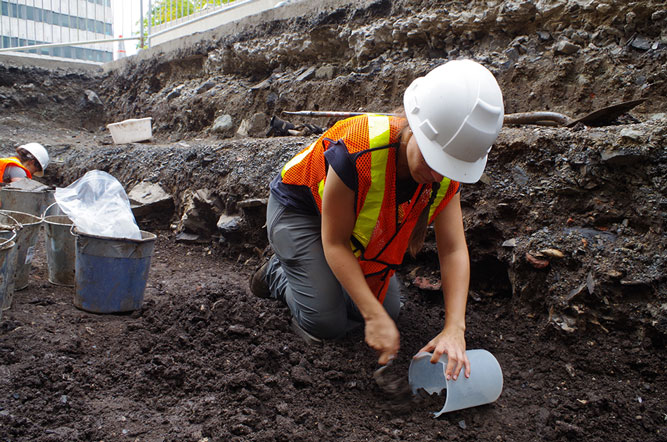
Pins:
<point x="455" y="112"/>
<point x="39" y="152"/>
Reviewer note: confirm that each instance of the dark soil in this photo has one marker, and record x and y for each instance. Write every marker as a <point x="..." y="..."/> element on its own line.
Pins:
<point x="566" y="232"/>
<point x="204" y="359"/>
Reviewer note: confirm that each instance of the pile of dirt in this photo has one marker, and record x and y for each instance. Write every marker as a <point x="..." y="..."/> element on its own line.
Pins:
<point x="565" y="229"/>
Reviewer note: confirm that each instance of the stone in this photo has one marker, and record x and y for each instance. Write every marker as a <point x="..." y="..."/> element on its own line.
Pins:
<point x="510" y="242"/>
<point x="641" y="43"/>
<point x="256" y="126"/>
<point x="201" y="210"/>
<point x="148" y="198"/>
<point x="176" y="92"/>
<point x="205" y="87"/>
<point x="92" y="97"/>
<point x="325" y="72"/>
<point x="632" y="134"/>
<point x="228" y="224"/>
<point x="566" y="47"/>
<point x="223" y="125"/>
<point x="306" y="74"/>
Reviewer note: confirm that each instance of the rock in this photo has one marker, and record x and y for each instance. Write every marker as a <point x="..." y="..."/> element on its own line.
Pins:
<point x="205" y="87"/>
<point x="325" y="72"/>
<point x="188" y="237"/>
<point x="176" y="92"/>
<point x="566" y="47"/>
<point x="228" y="224"/>
<point x="603" y="8"/>
<point x="641" y="43"/>
<point x="256" y="126"/>
<point x="544" y="35"/>
<point x="622" y="156"/>
<point x="242" y="131"/>
<point x="510" y="242"/>
<point x="306" y="74"/>
<point x="632" y="134"/>
<point x="148" y="198"/>
<point x="223" y="125"/>
<point x="92" y="97"/>
<point x="201" y="210"/>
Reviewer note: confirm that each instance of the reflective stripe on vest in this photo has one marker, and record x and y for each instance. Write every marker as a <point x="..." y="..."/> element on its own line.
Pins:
<point x="297" y="158"/>
<point x="444" y="187"/>
<point x="378" y="136"/>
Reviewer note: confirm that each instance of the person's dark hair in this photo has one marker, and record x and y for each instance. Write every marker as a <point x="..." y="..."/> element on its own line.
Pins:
<point x="25" y="156"/>
<point x="418" y="235"/>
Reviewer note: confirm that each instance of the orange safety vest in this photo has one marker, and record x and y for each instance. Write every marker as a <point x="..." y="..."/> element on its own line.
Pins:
<point x="382" y="228"/>
<point x="4" y="162"/>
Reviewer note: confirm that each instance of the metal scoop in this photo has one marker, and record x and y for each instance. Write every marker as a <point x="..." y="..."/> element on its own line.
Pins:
<point x="392" y="382"/>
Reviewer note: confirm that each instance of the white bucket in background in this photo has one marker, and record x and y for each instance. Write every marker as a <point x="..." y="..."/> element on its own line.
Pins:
<point x="131" y="131"/>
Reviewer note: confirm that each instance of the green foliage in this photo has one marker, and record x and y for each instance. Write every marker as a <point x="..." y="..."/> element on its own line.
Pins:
<point x="163" y="11"/>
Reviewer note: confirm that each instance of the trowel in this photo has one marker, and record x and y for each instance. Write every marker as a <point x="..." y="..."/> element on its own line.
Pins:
<point x="393" y="382"/>
<point x="600" y="117"/>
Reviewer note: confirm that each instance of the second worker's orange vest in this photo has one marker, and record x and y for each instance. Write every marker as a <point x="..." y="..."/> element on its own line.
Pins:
<point x="4" y="162"/>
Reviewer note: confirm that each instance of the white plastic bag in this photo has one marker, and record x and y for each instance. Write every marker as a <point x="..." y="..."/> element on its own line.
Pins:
<point x="98" y="205"/>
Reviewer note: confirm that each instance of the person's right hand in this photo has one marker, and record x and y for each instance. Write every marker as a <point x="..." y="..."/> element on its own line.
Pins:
<point x="382" y="336"/>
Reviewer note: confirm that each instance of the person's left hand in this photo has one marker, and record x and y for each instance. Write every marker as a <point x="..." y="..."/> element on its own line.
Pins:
<point x="450" y="341"/>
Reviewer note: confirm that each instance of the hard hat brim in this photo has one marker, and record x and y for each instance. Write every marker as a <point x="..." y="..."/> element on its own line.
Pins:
<point x="445" y="164"/>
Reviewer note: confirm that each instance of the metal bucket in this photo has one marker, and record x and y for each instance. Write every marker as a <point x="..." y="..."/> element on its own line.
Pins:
<point x="8" y="231"/>
<point x="60" y="249"/>
<point x="26" y="201"/>
<point x="26" y="240"/>
<point x="60" y="246"/>
<point x="7" y="255"/>
<point x="111" y="273"/>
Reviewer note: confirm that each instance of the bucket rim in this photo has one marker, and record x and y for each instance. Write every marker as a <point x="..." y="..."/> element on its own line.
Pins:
<point x="11" y="189"/>
<point x="150" y="236"/>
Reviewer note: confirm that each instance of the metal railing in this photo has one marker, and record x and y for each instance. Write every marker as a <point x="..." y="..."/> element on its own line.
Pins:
<point x="95" y="30"/>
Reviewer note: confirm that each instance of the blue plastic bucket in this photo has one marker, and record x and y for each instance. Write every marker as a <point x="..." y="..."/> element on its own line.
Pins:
<point x="111" y="273"/>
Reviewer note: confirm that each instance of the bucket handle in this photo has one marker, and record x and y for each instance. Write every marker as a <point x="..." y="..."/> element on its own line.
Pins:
<point x="4" y="241"/>
<point x="18" y="224"/>
<point x="47" y="209"/>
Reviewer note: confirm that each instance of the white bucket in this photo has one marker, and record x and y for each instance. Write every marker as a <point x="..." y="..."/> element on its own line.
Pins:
<point x="482" y="387"/>
<point x="131" y="131"/>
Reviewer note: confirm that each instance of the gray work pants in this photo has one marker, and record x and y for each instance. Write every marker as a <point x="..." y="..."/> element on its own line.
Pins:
<point x="299" y="274"/>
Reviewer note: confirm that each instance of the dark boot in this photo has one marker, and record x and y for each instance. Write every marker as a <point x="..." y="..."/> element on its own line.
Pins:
<point x="258" y="285"/>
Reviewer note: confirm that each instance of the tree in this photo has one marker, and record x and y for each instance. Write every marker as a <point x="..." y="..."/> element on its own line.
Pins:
<point x="163" y="11"/>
